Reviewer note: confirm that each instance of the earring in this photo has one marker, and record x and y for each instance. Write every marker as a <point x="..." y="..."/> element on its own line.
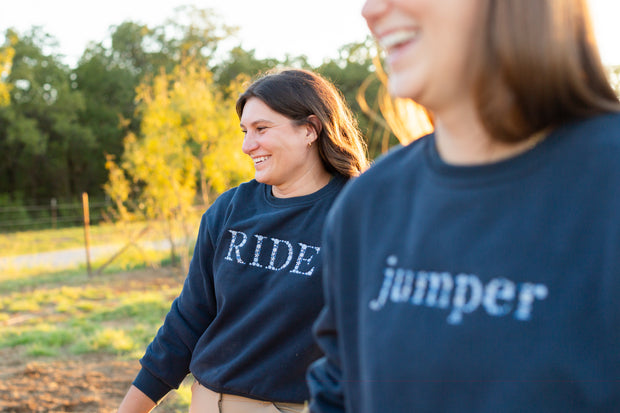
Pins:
<point x="309" y="144"/>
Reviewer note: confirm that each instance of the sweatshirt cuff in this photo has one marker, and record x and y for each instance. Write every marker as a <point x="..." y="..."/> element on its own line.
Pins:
<point x="150" y="385"/>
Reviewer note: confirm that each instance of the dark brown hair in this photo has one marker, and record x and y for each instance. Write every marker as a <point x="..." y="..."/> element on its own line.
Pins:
<point x="537" y="66"/>
<point x="298" y="94"/>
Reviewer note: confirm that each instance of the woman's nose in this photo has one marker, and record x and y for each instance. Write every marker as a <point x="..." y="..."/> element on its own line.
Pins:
<point x="373" y="8"/>
<point x="249" y="144"/>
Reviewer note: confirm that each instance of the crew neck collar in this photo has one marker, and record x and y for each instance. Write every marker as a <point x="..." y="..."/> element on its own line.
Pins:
<point x="335" y="183"/>
<point x="487" y="173"/>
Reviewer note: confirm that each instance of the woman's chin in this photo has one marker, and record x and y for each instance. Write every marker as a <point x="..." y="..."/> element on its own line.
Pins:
<point x="400" y="85"/>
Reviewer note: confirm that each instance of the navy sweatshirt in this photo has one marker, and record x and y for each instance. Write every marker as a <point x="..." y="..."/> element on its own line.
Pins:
<point x="490" y="288"/>
<point x="242" y="323"/>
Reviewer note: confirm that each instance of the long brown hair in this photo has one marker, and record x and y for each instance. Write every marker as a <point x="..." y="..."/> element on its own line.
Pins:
<point x="405" y="118"/>
<point x="543" y="55"/>
<point x="297" y="94"/>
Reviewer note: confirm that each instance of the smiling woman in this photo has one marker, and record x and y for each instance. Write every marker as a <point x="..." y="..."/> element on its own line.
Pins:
<point x="282" y="150"/>
<point x="298" y="127"/>
<point x="477" y="269"/>
<point x="259" y="251"/>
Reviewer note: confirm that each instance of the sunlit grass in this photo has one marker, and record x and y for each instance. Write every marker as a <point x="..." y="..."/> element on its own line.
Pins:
<point x="32" y="242"/>
<point x="112" y="341"/>
<point x="146" y="305"/>
<point x="12" y="279"/>
<point x="77" y="314"/>
<point x="50" y="336"/>
<point x="30" y="279"/>
<point x="54" y="314"/>
<point x="41" y="350"/>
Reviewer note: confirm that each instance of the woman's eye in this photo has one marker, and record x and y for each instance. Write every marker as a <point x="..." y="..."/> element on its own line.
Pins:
<point x="261" y="128"/>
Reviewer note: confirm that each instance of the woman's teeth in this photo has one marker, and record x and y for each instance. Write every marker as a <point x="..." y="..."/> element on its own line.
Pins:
<point x="260" y="159"/>
<point x="397" y="38"/>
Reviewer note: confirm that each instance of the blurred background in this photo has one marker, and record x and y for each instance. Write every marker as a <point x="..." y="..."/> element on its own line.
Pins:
<point x="117" y="130"/>
<point x="78" y="80"/>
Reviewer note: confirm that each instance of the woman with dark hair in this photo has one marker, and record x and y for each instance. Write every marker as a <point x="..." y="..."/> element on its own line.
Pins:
<point x="478" y="268"/>
<point x="242" y="323"/>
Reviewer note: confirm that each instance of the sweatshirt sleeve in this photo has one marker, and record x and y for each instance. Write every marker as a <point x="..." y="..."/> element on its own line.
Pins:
<point x="324" y="376"/>
<point x="166" y="361"/>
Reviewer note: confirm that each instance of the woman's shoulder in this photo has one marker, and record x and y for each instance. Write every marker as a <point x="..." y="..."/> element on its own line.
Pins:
<point x="597" y="136"/>
<point x="249" y="188"/>
<point x="601" y="128"/>
<point x="238" y="194"/>
<point x="220" y="210"/>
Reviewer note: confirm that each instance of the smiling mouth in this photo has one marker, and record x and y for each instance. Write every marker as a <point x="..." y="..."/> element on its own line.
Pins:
<point x="397" y="38"/>
<point x="260" y="159"/>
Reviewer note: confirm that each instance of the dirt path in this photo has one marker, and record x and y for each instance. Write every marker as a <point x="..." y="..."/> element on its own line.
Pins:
<point x="84" y="384"/>
<point x="80" y="384"/>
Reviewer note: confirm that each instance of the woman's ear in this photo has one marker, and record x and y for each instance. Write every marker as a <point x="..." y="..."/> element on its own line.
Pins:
<point x="314" y="127"/>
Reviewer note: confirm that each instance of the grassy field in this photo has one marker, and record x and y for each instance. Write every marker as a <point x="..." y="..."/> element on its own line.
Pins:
<point x="113" y="248"/>
<point x="31" y="242"/>
<point x="64" y="327"/>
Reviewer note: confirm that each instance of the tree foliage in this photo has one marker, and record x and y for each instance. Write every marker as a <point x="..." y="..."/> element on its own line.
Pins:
<point x="41" y="139"/>
<point x="241" y="62"/>
<point x="354" y="71"/>
<point x="63" y="128"/>
<point x="189" y="134"/>
<point x="6" y="61"/>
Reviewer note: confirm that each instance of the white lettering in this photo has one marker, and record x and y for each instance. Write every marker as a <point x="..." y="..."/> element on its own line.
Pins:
<point x="403" y="285"/>
<point x="434" y="289"/>
<point x="259" y="245"/>
<point x="240" y="247"/>
<point x="498" y="289"/>
<point x="302" y="258"/>
<point x="465" y="283"/>
<point x="388" y="273"/>
<point x="235" y="246"/>
<point x="439" y="282"/>
<point x="527" y="295"/>
<point x="274" y="253"/>
<point x="421" y="284"/>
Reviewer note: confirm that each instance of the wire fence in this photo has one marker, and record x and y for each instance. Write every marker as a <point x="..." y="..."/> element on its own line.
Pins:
<point x="48" y="216"/>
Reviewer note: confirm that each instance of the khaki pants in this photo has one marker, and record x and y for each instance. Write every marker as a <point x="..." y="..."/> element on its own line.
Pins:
<point x="208" y="401"/>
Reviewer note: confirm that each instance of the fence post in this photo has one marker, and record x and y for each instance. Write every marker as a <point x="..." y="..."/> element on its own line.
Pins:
<point x="54" y="208"/>
<point x="86" y="231"/>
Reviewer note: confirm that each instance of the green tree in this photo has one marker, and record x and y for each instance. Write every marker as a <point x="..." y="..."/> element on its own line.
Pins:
<point x="41" y="138"/>
<point x="189" y="138"/>
<point x="210" y="121"/>
<point x="108" y="74"/>
<point x="109" y="105"/>
<point x="354" y="73"/>
<point x="59" y="124"/>
<point x="191" y="32"/>
<point x="241" y="62"/>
